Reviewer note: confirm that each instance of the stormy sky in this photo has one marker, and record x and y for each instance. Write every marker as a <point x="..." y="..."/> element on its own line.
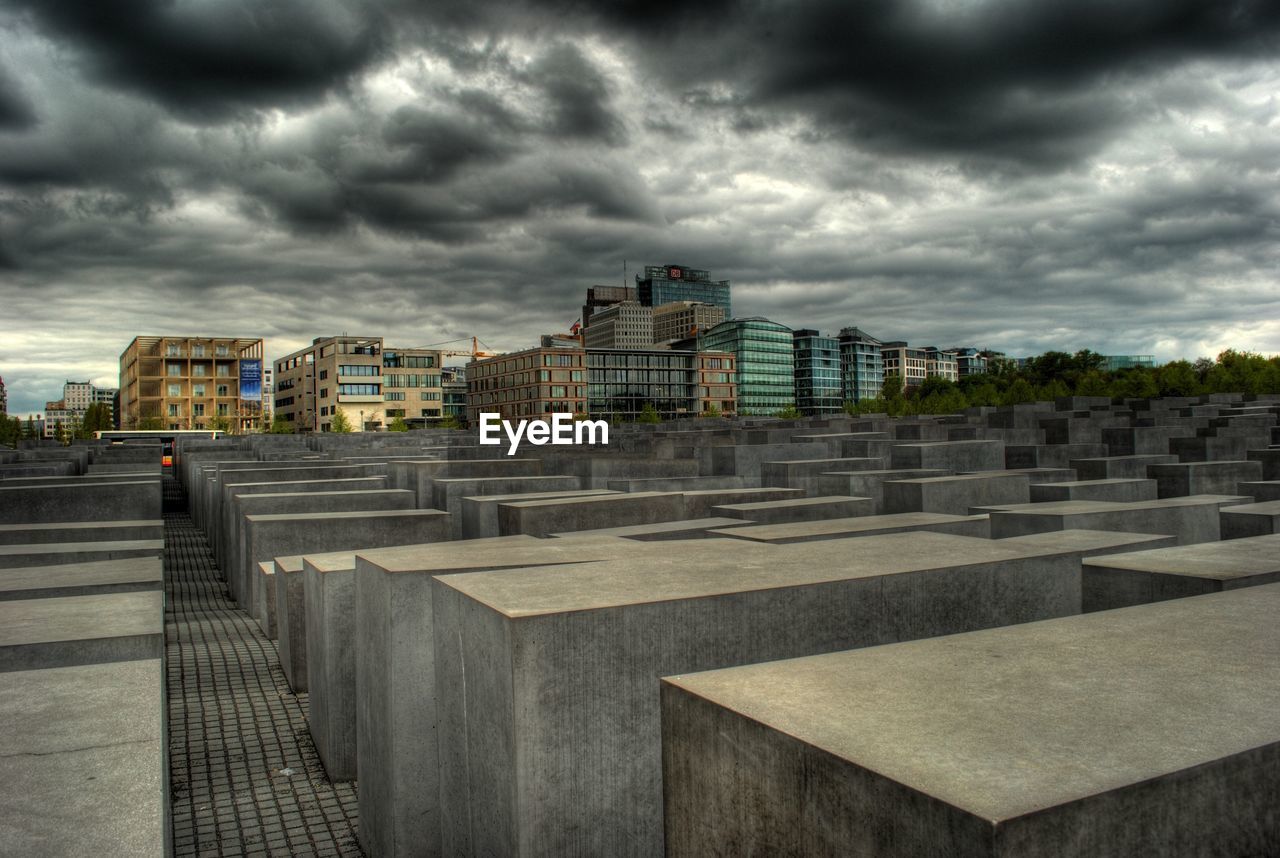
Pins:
<point x="1013" y="174"/>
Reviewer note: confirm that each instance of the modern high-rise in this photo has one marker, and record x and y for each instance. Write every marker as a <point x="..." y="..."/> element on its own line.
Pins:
<point x="371" y="384"/>
<point x="861" y="365"/>
<point x="599" y="297"/>
<point x="817" y="372"/>
<point x="173" y="382"/>
<point x="765" y="363"/>
<point x="663" y="284"/>
<point x="624" y="325"/>
<point x="682" y="320"/>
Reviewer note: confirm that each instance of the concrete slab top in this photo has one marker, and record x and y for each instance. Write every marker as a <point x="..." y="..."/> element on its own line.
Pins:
<point x="328" y="516"/>
<point x="1110" y="481"/>
<point x="98" y="572"/>
<point x="1223" y="561"/>
<point x="254" y="498"/>
<point x="674" y="575"/>
<point x="660" y="527"/>
<point x="1087" y="540"/>
<point x="156" y="545"/>
<point x="788" y="502"/>
<point x="1087" y="704"/>
<point x="81" y="525"/>
<point x="500" y="552"/>
<point x="69" y="618"/>
<point x="979" y="476"/>
<point x="609" y="497"/>
<point x="1078" y="507"/>
<point x="856" y="524"/>
<point x="1264" y="508"/>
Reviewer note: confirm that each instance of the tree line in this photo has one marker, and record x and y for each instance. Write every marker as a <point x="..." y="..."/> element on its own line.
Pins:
<point x="1056" y="374"/>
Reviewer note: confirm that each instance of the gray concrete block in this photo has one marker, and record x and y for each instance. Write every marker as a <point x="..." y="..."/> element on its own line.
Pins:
<point x="72" y="630"/>
<point x="448" y="492"/>
<point x="266" y="600"/>
<point x="83" y="761"/>
<point x="698" y="504"/>
<point x="397" y="756"/>
<point x="1265" y="490"/>
<point x="480" y="514"/>
<point x="1101" y="735"/>
<point x="1050" y="455"/>
<point x="1122" y="490"/>
<point x="676" y="484"/>
<point x="565" y="514"/>
<point x="63" y="553"/>
<point x="328" y="584"/>
<point x="555" y="742"/>
<point x="1141" y="577"/>
<point x="806" y="473"/>
<point x="130" y="500"/>
<point x="950" y="455"/>
<point x="868" y="525"/>
<point x="1191" y="519"/>
<point x="1203" y="478"/>
<point x="869" y="484"/>
<point x="1270" y="460"/>
<point x="81" y="531"/>
<point x="295" y="534"/>
<point x="954" y="495"/>
<point x="693" y="528"/>
<point x="82" y="579"/>
<point x="1255" y="519"/>
<point x="798" y="509"/>
<point x="746" y="460"/>
<point x="1142" y="440"/>
<point x="1119" y="467"/>
<point x="419" y="476"/>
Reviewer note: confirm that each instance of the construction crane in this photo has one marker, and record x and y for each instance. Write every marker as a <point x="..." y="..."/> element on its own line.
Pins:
<point x="474" y="353"/>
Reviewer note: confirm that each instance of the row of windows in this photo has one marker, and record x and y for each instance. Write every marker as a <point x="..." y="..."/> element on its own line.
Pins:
<point x="397" y="361"/>
<point x="411" y="380"/>
<point x="198" y="390"/>
<point x="358" y="369"/>
<point x="197" y="370"/>
<point x="359" y="389"/>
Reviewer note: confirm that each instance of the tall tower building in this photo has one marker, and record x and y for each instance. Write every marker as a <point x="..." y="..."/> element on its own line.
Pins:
<point x="663" y="284"/>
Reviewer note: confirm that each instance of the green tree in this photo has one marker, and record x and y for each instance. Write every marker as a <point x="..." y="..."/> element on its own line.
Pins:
<point x="984" y="394"/>
<point x="789" y="412"/>
<point x="1136" y="383"/>
<point x="711" y="413"/>
<point x="1019" y="392"/>
<point x="891" y="392"/>
<point x="280" y="426"/>
<point x="648" y="414"/>
<point x="220" y="423"/>
<point x="451" y="421"/>
<point x="1055" y="388"/>
<point x="1093" y="383"/>
<point x="339" y="422"/>
<point x="9" y="430"/>
<point x="398" y="425"/>
<point x="151" y="424"/>
<point x="1177" y="378"/>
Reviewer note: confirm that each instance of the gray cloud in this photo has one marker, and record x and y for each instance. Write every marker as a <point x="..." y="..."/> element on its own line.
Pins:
<point x="1000" y="173"/>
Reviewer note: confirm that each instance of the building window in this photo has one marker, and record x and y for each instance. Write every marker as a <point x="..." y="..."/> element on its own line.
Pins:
<point x="429" y="394"/>
<point x="395" y="412"/>
<point x="199" y="369"/>
<point x="357" y="369"/>
<point x="324" y="393"/>
<point x="175" y="410"/>
<point x="223" y="390"/>
<point x="224" y="370"/>
<point x="431" y="412"/>
<point x="197" y="350"/>
<point x="175" y="390"/>
<point x="394" y="396"/>
<point x="221" y="351"/>
<point x="197" y="409"/>
<point x="223" y="409"/>
<point x="173" y="369"/>
<point x="324" y="373"/>
<point x="197" y="390"/>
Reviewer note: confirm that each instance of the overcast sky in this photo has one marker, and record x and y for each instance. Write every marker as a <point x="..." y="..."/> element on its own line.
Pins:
<point x="1021" y="175"/>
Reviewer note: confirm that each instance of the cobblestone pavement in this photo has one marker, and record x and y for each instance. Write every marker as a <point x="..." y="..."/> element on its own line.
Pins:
<point x="244" y="774"/>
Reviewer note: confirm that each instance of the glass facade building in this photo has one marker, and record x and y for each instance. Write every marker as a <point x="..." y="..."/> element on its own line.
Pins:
<point x="1111" y="363"/>
<point x="765" y="361"/>
<point x="620" y="382"/>
<point x="663" y="284"/>
<point x="817" y="372"/>
<point x="861" y="365"/>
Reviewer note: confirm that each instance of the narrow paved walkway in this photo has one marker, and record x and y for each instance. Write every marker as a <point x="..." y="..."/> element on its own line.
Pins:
<point x="244" y="774"/>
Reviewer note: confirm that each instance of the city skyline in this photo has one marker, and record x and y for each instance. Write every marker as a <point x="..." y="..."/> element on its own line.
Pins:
<point x="992" y="174"/>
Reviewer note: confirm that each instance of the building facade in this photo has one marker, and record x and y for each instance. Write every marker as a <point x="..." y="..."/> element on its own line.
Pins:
<point x="371" y="384"/>
<point x="621" y="383"/>
<point x="664" y="284"/>
<point x="764" y="362"/>
<point x="907" y="363"/>
<point x="969" y="361"/>
<point x="188" y="382"/>
<point x="528" y="384"/>
<point x="1111" y="363"/>
<point x="861" y="365"/>
<point x="940" y="364"/>
<point x="599" y="297"/>
<point x="625" y="325"/>
<point x="817" y="372"/>
<point x="682" y="320"/>
<point x="453" y="383"/>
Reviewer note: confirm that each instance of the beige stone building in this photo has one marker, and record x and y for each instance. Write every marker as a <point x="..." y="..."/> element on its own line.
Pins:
<point x="681" y="320"/>
<point x="371" y="383"/>
<point x="171" y="382"/>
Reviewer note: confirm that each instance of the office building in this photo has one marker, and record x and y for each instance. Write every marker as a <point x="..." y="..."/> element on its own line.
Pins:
<point x="370" y="383"/>
<point x="528" y="384"/>
<point x="599" y="297"/>
<point x="940" y="364"/>
<point x="453" y="384"/>
<point x="1111" y="363"/>
<point x="907" y="363"/>
<point x="764" y="362"/>
<point x="187" y="382"/>
<point x="268" y="394"/>
<point x="4" y="399"/>
<point x="861" y="365"/>
<point x="969" y="361"/>
<point x="621" y="383"/>
<point x="683" y="320"/>
<point x="663" y="284"/>
<point x="817" y="372"/>
<point x="624" y="325"/>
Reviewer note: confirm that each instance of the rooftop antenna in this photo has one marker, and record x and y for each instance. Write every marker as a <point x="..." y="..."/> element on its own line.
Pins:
<point x="624" y="274"/>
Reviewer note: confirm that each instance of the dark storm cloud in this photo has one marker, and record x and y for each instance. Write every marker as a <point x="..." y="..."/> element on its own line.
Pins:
<point x="210" y="59"/>
<point x="579" y="96"/>
<point x="16" y="111"/>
